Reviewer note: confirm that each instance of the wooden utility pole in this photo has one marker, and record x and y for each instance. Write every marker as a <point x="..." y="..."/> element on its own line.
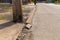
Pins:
<point x="17" y="10"/>
<point x="0" y="1"/>
<point x="35" y="2"/>
<point x="29" y="1"/>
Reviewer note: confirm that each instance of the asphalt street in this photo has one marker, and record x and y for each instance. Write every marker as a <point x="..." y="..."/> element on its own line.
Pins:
<point x="46" y="22"/>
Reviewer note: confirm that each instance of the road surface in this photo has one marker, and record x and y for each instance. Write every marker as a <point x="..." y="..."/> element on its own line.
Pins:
<point x="46" y="22"/>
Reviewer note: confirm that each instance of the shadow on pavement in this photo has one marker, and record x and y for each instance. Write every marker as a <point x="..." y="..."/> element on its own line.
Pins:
<point x="7" y="24"/>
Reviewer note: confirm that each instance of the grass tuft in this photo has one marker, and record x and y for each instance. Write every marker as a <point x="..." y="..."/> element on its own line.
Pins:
<point x="0" y="17"/>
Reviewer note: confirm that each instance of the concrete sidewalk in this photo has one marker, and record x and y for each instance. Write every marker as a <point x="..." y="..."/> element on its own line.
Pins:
<point x="9" y="30"/>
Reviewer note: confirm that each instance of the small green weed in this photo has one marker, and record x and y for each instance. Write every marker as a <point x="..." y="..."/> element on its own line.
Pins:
<point x="0" y="17"/>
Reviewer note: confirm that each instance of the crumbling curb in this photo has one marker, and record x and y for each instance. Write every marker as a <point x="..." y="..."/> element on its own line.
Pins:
<point x="29" y="20"/>
<point x="26" y="32"/>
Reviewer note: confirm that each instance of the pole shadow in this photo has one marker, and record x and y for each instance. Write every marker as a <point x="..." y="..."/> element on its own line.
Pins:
<point x="7" y="24"/>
